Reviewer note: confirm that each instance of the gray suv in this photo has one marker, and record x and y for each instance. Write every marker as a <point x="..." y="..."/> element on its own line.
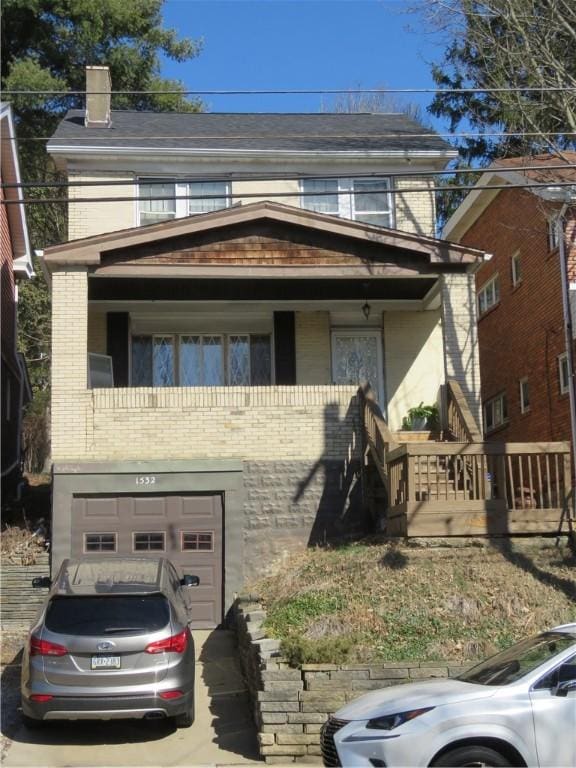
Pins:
<point x="112" y="641"/>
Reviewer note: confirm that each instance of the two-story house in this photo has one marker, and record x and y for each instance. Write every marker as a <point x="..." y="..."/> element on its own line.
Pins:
<point x="16" y="265"/>
<point x="230" y="281"/>
<point x="520" y="312"/>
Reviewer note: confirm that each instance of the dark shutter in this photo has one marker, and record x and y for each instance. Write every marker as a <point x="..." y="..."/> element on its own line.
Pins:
<point x="285" y="347"/>
<point x="117" y="345"/>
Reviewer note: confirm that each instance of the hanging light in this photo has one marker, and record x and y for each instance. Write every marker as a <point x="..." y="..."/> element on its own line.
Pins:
<point x="366" y="309"/>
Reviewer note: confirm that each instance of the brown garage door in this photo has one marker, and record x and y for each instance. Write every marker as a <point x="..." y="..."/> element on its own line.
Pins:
<point x="186" y="529"/>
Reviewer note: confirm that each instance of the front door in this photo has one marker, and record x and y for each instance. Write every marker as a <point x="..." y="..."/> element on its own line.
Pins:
<point x="357" y="358"/>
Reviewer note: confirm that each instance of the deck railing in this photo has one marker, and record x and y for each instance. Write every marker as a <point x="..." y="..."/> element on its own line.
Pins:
<point x="523" y="475"/>
<point x="379" y="439"/>
<point x="461" y="425"/>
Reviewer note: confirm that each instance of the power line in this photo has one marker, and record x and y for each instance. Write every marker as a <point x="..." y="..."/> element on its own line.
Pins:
<point x="240" y="137"/>
<point x="291" y="91"/>
<point x="282" y="176"/>
<point x="268" y="195"/>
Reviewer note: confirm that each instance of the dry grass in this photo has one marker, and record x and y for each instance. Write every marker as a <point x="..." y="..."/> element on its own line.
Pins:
<point x="453" y="600"/>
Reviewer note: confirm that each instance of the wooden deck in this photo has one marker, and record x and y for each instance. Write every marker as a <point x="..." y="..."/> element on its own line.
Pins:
<point x="465" y="487"/>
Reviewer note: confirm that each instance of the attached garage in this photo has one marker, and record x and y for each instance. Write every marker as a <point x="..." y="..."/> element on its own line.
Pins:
<point x="195" y="519"/>
<point x="186" y="529"/>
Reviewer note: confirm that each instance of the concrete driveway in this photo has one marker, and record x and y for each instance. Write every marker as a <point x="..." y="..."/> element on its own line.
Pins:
<point x="223" y="733"/>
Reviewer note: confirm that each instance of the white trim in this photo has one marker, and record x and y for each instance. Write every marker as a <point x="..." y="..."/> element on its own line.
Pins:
<point x="503" y="400"/>
<point x="524" y="406"/>
<point x="372" y="332"/>
<point x="197" y="533"/>
<point x="87" y="551"/>
<point x="516" y="268"/>
<point x="158" y="151"/>
<point x="493" y="281"/>
<point x="149" y="533"/>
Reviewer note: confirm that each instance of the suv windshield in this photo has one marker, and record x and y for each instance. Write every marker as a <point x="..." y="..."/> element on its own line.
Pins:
<point x="107" y="614"/>
<point x="515" y="662"/>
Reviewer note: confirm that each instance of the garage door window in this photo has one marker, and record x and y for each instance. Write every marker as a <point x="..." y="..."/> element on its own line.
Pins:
<point x="149" y="542"/>
<point x="197" y="541"/>
<point x="99" y="542"/>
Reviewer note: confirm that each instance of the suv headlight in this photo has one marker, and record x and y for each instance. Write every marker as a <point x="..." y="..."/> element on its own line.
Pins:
<point x="389" y="722"/>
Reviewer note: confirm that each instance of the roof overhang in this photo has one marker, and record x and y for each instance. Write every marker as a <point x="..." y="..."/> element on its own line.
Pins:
<point x="22" y="253"/>
<point x="90" y="251"/>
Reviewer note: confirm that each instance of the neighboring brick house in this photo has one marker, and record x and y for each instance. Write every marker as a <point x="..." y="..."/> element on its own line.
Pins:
<point x="218" y="419"/>
<point x="16" y="264"/>
<point x="520" y="316"/>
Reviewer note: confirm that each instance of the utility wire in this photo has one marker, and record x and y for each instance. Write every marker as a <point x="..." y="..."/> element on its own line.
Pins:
<point x="280" y="176"/>
<point x="267" y="195"/>
<point x="290" y="91"/>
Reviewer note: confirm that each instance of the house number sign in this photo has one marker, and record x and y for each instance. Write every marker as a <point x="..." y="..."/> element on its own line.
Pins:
<point x="146" y="480"/>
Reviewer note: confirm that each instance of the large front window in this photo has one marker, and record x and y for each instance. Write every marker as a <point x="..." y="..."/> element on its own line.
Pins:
<point x="160" y="199"/>
<point x="201" y="360"/>
<point x="367" y="200"/>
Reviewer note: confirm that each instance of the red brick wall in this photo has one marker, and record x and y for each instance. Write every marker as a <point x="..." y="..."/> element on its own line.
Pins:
<point x="523" y="335"/>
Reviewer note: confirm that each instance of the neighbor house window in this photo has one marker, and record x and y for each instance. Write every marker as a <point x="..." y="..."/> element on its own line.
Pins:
<point x="99" y="542"/>
<point x="201" y="360"/>
<point x="489" y="295"/>
<point x="516" y="268"/>
<point x="198" y="541"/>
<point x="524" y="395"/>
<point x="563" y="374"/>
<point x="148" y="542"/>
<point x="367" y="200"/>
<point x="495" y="412"/>
<point x="179" y="199"/>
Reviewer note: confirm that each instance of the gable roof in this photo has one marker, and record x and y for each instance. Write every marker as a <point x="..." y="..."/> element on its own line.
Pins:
<point x="538" y="169"/>
<point x="22" y="253"/>
<point x="387" y="134"/>
<point x="90" y="250"/>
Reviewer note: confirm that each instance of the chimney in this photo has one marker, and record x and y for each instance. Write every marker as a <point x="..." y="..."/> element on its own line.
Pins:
<point x="98" y="88"/>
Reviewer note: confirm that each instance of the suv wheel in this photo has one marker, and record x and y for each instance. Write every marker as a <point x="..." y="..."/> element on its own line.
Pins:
<point x="186" y="719"/>
<point x="473" y="756"/>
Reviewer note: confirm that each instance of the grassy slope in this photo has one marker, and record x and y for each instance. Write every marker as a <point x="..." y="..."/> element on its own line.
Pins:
<point x="418" y="601"/>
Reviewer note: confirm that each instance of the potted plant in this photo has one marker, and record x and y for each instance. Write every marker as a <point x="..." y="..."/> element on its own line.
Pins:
<point x="421" y="417"/>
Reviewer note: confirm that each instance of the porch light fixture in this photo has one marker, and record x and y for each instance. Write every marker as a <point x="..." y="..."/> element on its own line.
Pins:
<point x="366" y="309"/>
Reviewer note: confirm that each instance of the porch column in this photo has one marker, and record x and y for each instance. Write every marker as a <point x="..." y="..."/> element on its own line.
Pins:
<point x="460" y="331"/>
<point x="69" y="362"/>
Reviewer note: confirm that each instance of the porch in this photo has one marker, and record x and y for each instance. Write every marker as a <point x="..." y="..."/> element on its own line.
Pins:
<point x="460" y="485"/>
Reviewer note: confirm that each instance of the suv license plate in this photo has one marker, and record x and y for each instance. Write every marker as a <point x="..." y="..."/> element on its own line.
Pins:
<point x="105" y="662"/>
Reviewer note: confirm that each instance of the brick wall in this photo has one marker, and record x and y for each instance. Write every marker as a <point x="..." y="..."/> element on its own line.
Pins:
<point x="313" y="365"/>
<point x="414" y="212"/>
<point x="523" y="335"/>
<point x="291" y="704"/>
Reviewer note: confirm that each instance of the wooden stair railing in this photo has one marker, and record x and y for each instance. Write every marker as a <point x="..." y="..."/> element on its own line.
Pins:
<point x="461" y="425"/>
<point x="378" y="438"/>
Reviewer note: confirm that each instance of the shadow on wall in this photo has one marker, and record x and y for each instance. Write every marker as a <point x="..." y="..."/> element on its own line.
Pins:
<point x="340" y="515"/>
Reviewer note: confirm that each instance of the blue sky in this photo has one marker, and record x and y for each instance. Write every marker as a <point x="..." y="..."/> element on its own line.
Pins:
<point x="298" y="44"/>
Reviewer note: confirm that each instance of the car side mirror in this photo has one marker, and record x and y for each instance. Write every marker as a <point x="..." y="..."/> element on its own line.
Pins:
<point x="190" y="581"/>
<point x="42" y="582"/>
<point x="564" y="688"/>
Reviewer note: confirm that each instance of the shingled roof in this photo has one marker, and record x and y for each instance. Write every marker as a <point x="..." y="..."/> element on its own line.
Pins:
<point x="321" y="132"/>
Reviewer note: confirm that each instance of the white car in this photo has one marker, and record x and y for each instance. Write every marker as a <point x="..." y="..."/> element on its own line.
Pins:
<point x="517" y="708"/>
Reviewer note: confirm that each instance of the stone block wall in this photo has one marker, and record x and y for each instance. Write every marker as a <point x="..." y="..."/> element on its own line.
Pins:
<point x="291" y="704"/>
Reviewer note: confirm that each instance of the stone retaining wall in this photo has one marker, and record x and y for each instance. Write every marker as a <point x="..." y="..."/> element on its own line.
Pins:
<point x="290" y="705"/>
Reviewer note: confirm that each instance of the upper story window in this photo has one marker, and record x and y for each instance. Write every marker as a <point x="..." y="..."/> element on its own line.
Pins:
<point x="495" y="412"/>
<point x="179" y="199"/>
<point x="489" y="295"/>
<point x="516" y="267"/>
<point x="563" y="373"/>
<point x="201" y="360"/>
<point x="524" y="395"/>
<point x="367" y="200"/>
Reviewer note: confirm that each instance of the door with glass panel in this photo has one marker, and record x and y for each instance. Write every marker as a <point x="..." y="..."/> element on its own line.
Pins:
<point x="357" y="359"/>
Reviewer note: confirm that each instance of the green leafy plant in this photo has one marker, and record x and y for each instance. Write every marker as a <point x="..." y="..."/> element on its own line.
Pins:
<point x="426" y="414"/>
<point x="326" y="650"/>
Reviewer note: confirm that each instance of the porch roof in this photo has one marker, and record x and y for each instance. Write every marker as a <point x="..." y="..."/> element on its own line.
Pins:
<point x="320" y="246"/>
